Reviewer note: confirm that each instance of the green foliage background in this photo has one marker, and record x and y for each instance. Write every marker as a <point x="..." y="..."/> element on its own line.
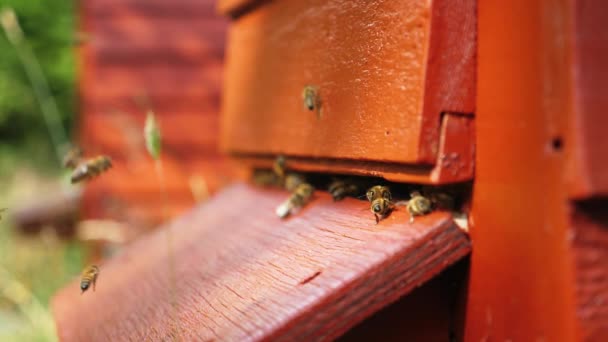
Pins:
<point x="49" y="29"/>
<point x="33" y="268"/>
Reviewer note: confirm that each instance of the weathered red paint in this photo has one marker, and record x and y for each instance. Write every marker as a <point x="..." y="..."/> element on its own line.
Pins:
<point x="240" y="272"/>
<point x="522" y="273"/>
<point x="385" y="72"/>
<point x="588" y="140"/>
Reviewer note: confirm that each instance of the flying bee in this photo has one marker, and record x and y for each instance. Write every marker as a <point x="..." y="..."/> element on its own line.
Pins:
<point x="380" y="198"/>
<point x="311" y="99"/>
<point x="91" y="168"/>
<point x="72" y="157"/>
<point x="279" y="167"/>
<point x="418" y="205"/>
<point x="89" y="276"/>
<point x="300" y="196"/>
<point x="1" y="211"/>
<point x="340" y="188"/>
<point x="293" y="180"/>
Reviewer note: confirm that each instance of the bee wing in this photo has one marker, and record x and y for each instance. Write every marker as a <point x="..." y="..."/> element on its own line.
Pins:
<point x="283" y="209"/>
<point x="401" y="203"/>
<point x="79" y="173"/>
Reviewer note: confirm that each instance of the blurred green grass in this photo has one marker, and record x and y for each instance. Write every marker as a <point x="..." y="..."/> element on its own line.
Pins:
<point x="49" y="28"/>
<point x="32" y="269"/>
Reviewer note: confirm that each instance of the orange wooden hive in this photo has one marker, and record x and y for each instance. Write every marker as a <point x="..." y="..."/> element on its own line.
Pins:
<point x="170" y="52"/>
<point x="504" y="97"/>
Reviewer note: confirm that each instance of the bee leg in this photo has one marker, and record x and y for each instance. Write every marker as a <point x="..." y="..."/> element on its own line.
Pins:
<point x="411" y="218"/>
<point x="377" y="218"/>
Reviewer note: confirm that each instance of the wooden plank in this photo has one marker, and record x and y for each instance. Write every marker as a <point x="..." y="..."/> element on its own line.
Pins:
<point x="138" y="39"/>
<point x="522" y="277"/>
<point x="132" y="188"/>
<point x="385" y="72"/>
<point x="455" y="162"/>
<point x="170" y="79"/>
<point x="588" y="142"/>
<point x="243" y="274"/>
<point x="171" y="51"/>
<point x="183" y="133"/>
<point x="200" y="9"/>
<point x="589" y="222"/>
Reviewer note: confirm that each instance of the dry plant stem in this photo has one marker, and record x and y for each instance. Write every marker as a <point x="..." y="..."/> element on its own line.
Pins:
<point x="170" y="255"/>
<point x="34" y="72"/>
<point x="14" y="291"/>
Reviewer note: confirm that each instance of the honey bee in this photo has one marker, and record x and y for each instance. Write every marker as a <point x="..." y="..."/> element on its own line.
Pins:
<point x="279" y="167"/>
<point x="441" y="200"/>
<point x="341" y="188"/>
<point x="293" y="180"/>
<point x="300" y="196"/>
<point x="418" y="205"/>
<point x="72" y="157"/>
<point x="89" y="276"/>
<point x="91" y="168"/>
<point x="311" y="99"/>
<point x="265" y="178"/>
<point x="380" y="198"/>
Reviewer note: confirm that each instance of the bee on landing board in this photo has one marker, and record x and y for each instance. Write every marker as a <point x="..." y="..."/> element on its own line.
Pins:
<point x="72" y="157"/>
<point x="311" y="99"/>
<point x="340" y="188"/>
<point x="418" y="205"/>
<point x="439" y="200"/>
<point x="300" y="196"/>
<point x="279" y="167"/>
<point x="91" y="168"/>
<point x="265" y="178"/>
<point x="380" y="199"/>
<point x="293" y="180"/>
<point x="89" y="277"/>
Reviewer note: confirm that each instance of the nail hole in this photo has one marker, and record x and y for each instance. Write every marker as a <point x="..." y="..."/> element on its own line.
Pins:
<point x="309" y="279"/>
<point x="557" y="143"/>
<point x="387" y="132"/>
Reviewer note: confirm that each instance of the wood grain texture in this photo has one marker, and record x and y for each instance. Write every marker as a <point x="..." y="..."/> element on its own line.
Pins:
<point x="241" y="272"/>
<point x="589" y="142"/>
<point x="522" y="279"/>
<point x="455" y="162"/>
<point x="386" y="70"/>
<point x="589" y="221"/>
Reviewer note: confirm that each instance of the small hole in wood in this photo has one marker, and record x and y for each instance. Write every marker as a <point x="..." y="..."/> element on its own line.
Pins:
<point x="387" y="133"/>
<point x="309" y="279"/>
<point x="557" y="144"/>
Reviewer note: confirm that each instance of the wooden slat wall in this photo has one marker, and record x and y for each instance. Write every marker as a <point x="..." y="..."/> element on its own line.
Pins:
<point x="171" y="51"/>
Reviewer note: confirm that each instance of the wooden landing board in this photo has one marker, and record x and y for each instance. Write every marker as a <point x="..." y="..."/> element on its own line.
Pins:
<point x="243" y="274"/>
